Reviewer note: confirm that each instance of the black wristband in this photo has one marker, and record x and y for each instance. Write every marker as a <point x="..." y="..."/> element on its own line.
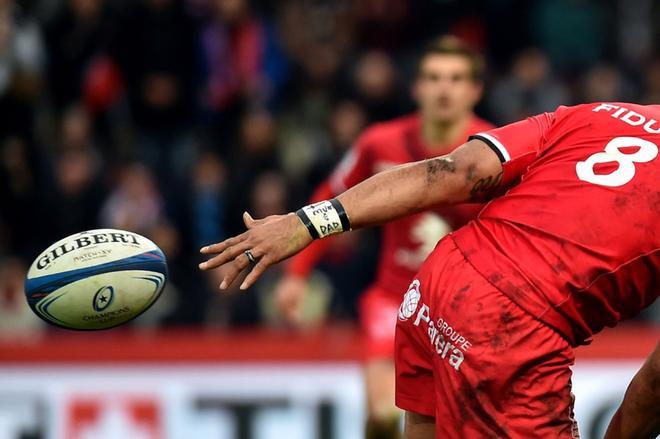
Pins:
<point x="343" y="217"/>
<point x="308" y="223"/>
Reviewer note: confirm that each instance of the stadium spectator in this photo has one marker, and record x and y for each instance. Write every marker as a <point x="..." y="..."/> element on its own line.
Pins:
<point x="605" y="83"/>
<point x="74" y="189"/>
<point x="73" y="36"/>
<point x="242" y="63"/>
<point x="554" y="25"/>
<point x="153" y="42"/>
<point x="376" y="87"/>
<point x="651" y="94"/>
<point x="208" y="198"/>
<point x="136" y="203"/>
<point x="21" y="70"/>
<point x="18" y="197"/>
<point x="530" y="88"/>
<point x="254" y="155"/>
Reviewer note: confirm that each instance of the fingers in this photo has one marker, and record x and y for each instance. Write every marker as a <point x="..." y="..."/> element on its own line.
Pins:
<point x="220" y="247"/>
<point x="256" y="271"/>
<point x="227" y="255"/>
<point x="258" y="240"/>
<point x="233" y="270"/>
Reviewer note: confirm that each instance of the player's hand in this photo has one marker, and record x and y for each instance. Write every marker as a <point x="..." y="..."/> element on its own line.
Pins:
<point x="269" y="240"/>
<point x="289" y="295"/>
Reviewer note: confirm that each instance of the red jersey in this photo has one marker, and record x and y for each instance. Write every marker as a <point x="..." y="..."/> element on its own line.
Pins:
<point x="575" y="242"/>
<point x="408" y="241"/>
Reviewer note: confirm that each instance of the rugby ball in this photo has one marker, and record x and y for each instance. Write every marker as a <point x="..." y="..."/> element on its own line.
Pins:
<point x="96" y="279"/>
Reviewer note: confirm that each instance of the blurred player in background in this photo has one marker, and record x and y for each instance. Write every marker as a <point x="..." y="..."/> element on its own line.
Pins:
<point x="485" y="333"/>
<point x="447" y="88"/>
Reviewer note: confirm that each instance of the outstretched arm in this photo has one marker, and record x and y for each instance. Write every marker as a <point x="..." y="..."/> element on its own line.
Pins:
<point x="472" y="172"/>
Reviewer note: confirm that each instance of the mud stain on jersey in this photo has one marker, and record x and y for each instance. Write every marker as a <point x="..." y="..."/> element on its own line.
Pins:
<point x="620" y="202"/>
<point x="473" y="410"/>
<point x="654" y="200"/>
<point x="496" y="280"/>
<point x="498" y="342"/>
<point x="460" y="297"/>
<point x="515" y="292"/>
<point x="506" y="317"/>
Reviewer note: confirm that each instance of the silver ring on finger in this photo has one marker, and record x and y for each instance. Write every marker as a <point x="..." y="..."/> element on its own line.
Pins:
<point x="250" y="256"/>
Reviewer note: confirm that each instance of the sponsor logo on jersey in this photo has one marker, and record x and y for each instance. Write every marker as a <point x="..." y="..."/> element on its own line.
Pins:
<point x="445" y="339"/>
<point x="410" y="301"/>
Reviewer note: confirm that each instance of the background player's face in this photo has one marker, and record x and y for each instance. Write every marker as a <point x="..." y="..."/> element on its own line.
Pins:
<point x="445" y="90"/>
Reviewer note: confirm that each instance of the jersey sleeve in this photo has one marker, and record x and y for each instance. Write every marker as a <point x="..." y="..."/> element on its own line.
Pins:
<point x="355" y="167"/>
<point x="518" y="144"/>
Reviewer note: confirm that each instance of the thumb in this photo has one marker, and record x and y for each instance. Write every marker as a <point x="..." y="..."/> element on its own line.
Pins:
<point x="248" y="220"/>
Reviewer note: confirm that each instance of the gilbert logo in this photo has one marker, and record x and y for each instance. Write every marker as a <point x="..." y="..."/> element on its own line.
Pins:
<point x="410" y="301"/>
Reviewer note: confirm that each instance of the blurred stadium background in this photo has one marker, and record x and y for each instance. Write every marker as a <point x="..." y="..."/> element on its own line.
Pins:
<point x="171" y="117"/>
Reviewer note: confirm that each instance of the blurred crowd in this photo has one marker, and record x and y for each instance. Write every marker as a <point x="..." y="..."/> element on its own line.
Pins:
<point x="172" y="117"/>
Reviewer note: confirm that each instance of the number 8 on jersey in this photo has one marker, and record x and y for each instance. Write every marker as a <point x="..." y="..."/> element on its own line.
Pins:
<point x="626" y="171"/>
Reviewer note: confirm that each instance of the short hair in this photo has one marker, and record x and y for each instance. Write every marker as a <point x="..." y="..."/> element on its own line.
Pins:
<point x="451" y="45"/>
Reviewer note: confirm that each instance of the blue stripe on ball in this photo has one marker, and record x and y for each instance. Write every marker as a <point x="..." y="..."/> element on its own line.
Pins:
<point x="42" y="286"/>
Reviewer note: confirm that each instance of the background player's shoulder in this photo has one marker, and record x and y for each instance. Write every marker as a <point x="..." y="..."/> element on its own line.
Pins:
<point x="479" y="125"/>
<point x="390" y="131"/>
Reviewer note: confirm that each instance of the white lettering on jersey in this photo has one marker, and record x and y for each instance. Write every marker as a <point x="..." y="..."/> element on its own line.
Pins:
<point x="423" y="314"/>
<point x="446" y="341"/>
<point x="626" y="162"/>
<point x="630" y="117"/>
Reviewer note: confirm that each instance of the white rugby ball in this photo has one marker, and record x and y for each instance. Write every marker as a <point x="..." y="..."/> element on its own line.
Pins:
<point x="96" y="279"/>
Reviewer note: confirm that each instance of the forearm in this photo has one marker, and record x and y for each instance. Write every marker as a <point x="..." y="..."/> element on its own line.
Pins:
<point x="471" y="172"/>
<point x="410" y="188"/>
<point x="398" y="192"/>
<point x="639" y="413"/>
